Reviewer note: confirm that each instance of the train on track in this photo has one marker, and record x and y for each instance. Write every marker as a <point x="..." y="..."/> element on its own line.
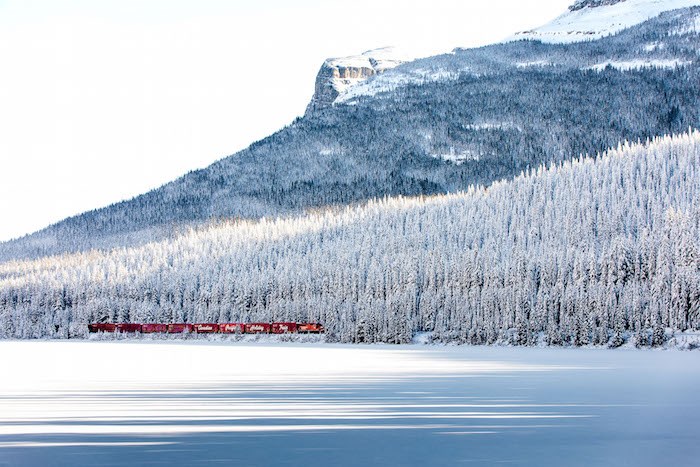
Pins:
<point x="209" y="328"/>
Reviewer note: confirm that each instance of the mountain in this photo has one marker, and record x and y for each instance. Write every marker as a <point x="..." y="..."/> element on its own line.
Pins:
<point x="337" y="75"/>
<point x="592" y="19"/>
<point x="592" y="251"/>
<point x="434" y="125"/>
<point x="445" y="195"/>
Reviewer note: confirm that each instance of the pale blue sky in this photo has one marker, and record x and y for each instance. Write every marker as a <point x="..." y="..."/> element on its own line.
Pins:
<point x="101" y="100"/>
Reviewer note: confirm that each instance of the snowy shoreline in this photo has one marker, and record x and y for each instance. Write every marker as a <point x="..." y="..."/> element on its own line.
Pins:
<point x="683" y="341"/>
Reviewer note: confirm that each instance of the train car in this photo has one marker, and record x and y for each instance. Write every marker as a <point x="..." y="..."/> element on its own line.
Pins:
<point x="284" y="328"/>
<point x="209" y="328"/>
<point x="232" y="328"/>
<point x="206" y="328"/>
<point x="310" y="328"/>
<point x="154" y="328"/>
<point x="179" y="328"/>
<point x="102" y="327"/>
<point x="258" y="328"/>
<point x="129" y="327"/>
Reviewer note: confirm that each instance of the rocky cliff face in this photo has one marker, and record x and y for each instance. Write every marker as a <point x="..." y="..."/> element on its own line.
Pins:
<point x="581" y="4"/>
<point x="337" y="75"/>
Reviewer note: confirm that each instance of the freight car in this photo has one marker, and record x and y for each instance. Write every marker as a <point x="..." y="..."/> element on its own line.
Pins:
<point x="129" y="327"/>
<point x="258" y="328"/>
<point x="284" y="328"/>
<point x="209" y="328"/>
<point x="154" y="328"/>
<point x="232" y="328"/>
<point x="206" y="328"/>
<point x="179" y="328"/>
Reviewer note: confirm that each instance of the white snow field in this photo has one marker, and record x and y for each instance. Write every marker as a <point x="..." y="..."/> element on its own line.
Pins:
<point x="593" y="23"/>
<point x="194" y="403"/>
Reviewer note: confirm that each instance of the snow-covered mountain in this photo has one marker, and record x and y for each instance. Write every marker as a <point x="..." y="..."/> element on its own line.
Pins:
<point x="585" y="21"/>
<point x="593" y="19"/>
<point x="338" y="75"/>
<point x="290" y="228"/>
<point x="428" y="126"/>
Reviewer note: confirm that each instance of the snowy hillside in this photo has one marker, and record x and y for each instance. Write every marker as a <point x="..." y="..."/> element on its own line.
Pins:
<point x="429" y="126"/>
<point x="572" y="45"/>
<point x="338" y="75"/>
<point x="590" y="252"/>
<point x="590" y="19"/>
<point x="500" y="110"/>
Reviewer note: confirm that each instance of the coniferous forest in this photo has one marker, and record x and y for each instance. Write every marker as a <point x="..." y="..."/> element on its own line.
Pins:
<point x="451" y="196"/>
<point x="595" y="251"/>
<point x="502" y="109"/>
<point x="490" y="256"/>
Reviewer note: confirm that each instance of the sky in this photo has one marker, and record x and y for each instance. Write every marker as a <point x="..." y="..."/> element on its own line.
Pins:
<point x="102" y="100"/>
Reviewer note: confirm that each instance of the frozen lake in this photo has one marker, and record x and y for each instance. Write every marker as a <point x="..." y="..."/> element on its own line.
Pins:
<point x="190" y="403"/>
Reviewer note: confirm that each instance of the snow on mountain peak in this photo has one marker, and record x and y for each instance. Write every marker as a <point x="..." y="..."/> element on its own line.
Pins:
<point x="593" y="19"/>
<point x="581" y="4"/>
<point x="337" y="75"/>
<point x="378" y="59"/>
<point x="341" y="80"/>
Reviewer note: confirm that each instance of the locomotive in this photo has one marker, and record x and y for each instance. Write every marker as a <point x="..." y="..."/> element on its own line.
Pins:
<point x="209" y="328"/>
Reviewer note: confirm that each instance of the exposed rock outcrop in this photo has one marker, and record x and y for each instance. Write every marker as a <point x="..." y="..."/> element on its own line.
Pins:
<point x="581" y="4"/>
<point x="337" y="75"/>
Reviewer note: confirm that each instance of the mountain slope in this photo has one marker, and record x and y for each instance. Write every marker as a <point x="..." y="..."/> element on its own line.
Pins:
<point x="337" y="75"/>
<point x="430" y="126"/>
<point x="668" y="39"/>
<point x="594" y="251"/>
<point x="593" y="19"/>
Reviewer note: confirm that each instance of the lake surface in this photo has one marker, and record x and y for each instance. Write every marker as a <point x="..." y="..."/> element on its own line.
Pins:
<point x="198" y="403"/>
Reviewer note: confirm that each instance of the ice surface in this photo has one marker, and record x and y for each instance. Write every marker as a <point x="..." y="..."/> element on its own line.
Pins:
<point x="164" y="403"/>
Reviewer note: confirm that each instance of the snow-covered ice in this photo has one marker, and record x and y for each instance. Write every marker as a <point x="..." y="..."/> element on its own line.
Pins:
<point x="202" y="403"/>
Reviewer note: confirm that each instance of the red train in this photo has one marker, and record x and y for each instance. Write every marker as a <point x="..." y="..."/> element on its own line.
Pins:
<point x="210" y="328"/>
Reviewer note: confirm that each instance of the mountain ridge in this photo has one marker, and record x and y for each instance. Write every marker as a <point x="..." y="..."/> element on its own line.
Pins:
<point x="502" y="109"/>
<point x="337" y="75"/>
<point x="593" y="19"/>
<point x="581" y="4"/>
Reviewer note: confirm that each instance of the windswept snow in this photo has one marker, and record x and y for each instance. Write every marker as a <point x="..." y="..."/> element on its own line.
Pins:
<point x="593" y="23"/>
